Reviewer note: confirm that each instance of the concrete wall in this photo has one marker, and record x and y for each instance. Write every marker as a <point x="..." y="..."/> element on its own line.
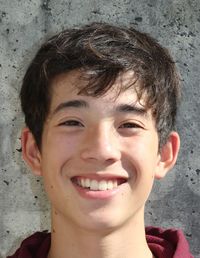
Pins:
<point x="23" y="26"/>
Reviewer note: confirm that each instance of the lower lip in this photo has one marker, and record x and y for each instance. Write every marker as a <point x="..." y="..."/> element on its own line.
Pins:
<point x="102" y="195"/>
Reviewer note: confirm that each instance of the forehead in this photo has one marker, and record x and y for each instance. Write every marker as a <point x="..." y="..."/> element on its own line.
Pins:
<point x="68" y="85"/>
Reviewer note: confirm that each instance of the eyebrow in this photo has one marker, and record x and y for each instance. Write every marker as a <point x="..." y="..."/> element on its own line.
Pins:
<point x="127" y="108"/>
<point x="122" y="108"/>
<point x="70" y="104"/>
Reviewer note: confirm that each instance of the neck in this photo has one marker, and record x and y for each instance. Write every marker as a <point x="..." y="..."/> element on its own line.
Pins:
<point x="69" y="240"/>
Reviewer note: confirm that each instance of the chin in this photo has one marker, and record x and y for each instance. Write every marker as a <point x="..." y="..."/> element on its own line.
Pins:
<point x="102" y="222"/>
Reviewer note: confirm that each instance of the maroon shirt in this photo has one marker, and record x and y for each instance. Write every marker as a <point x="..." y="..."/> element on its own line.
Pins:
<point x="169" y="243"/>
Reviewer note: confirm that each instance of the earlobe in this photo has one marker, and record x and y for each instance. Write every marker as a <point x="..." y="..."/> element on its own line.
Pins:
<point x="168" y="155"/>
<point x="30" y="151"/>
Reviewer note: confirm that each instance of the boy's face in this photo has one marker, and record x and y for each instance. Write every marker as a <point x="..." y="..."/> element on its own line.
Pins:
<point x="109" y="143"/>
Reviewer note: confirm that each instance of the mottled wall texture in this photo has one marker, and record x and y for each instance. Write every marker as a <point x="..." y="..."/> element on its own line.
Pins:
<point x="175" y="201"/>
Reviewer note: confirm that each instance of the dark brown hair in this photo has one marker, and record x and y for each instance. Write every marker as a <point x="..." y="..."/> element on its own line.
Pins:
<point x="102" y="52"/>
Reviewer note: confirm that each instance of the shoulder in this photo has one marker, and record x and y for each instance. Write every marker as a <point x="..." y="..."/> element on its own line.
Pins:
<point x="169" y="243"/>
<point x="36" y="245"/>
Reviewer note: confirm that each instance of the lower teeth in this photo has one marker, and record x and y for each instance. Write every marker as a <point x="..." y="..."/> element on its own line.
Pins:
<point x="89" y="188"/>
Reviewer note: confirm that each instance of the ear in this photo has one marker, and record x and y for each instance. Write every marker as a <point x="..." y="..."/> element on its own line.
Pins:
<point x="30" y="152"/>
<point x="168" y="155"/>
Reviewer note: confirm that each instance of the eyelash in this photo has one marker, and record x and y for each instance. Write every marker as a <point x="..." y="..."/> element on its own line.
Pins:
<point x="130" y="125"/>
<point x="71" y="123"/>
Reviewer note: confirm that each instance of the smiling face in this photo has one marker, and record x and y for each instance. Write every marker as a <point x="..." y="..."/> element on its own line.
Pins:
<point x="99" y="156"/>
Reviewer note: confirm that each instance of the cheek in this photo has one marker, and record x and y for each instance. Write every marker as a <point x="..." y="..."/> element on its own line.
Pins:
<point x="61" y="146"/>
<point x="66" y="144"/>
<point x="141" y="147"/>
<point x="58" y="154"/>
<point x="141" y="155"/>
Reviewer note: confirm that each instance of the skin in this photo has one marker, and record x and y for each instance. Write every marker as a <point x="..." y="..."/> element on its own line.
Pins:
<point x="107" y="137"/>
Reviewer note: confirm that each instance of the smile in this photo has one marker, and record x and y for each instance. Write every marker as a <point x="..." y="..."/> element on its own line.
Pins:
<point x="98" y="185"/>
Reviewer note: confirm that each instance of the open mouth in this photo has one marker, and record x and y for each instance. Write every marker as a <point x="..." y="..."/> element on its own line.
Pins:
<point x="98" y="185"/>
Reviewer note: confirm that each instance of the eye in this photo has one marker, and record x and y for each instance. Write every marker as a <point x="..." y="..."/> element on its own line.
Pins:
<point x="71" y="123"/>
<point x="130" y="125"/>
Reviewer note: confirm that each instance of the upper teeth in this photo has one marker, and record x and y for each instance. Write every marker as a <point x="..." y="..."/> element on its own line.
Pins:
<point x="95" y="185"/>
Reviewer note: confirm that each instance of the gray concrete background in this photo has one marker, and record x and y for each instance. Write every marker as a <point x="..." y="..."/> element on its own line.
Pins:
<point x="23" y="26"/>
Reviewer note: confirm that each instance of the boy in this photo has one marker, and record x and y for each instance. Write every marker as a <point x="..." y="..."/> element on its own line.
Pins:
<point x="100" y="104"/>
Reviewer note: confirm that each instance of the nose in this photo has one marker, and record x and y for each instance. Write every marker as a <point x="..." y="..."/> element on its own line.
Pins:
<point x="101" y="145"/>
